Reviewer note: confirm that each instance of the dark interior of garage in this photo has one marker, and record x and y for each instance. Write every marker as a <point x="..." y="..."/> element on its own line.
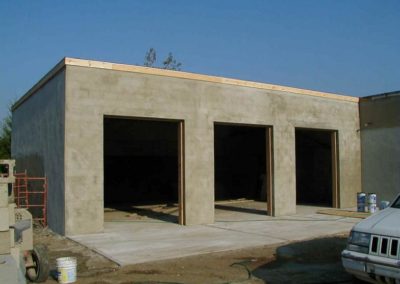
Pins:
<point x="314" y="167"/>
<point x="140" y="162"/>
<point x="240" y="162"/>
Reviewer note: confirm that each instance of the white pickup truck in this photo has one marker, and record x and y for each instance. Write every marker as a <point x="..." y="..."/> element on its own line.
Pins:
<point x="373" y="249"/>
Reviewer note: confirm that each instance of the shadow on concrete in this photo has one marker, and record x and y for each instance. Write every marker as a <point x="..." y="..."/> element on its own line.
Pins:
<point x="241" y="209"/>
<point x="313" y="261"/>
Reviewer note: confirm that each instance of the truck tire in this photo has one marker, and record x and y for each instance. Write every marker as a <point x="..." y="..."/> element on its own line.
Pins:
<point x="39" y="271"/>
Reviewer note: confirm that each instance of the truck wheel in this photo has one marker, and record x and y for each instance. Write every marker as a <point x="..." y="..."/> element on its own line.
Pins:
<point x="38" y="267"/>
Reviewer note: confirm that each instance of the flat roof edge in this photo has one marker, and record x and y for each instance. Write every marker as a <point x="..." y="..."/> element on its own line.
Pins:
<point x="201" y="77"/>
<point x="381" y="96"/>
<point x="175" y="74"/>
<point x="49" y="75"/>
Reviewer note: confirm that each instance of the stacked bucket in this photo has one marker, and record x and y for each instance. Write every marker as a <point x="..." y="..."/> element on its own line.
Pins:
<point x="371" y="203"/>
<point x="365" y="201"/>
<point x="361" y="198"/>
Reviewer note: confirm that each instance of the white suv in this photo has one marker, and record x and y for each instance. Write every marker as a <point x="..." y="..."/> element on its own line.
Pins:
<point x="373" y="249"/>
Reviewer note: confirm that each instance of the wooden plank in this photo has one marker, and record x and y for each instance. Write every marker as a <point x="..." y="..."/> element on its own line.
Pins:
<point x="269" y="174"/>
<point x="344" y="213"/>
<point x="181" y="173"/>
<point x="233" y="201"/>
<point x="175" y="74"/>
<point x="335" y="170"/>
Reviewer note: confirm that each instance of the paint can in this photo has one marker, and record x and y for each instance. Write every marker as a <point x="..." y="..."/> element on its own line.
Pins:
<point x="371" y="198"/>
<point x="384" y="204"/>
<point x="66" y="270"/>
<point x="361" y="197"/>
<point x="372" y="208"/>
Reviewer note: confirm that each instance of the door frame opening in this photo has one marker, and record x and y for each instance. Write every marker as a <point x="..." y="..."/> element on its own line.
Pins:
<point x="269" y="161"/>
<point x="334" y="158"/>
<point x="180" y="156"/>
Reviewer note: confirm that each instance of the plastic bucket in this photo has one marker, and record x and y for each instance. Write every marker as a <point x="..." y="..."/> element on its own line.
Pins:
<point x="371" y="208"/>
<point x="361" y="196"/>
<point x="66" y="270"/>
<point x="371" y="198"/>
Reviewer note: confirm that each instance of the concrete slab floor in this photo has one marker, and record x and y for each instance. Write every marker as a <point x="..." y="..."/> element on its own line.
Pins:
<point x="138" y="241"/>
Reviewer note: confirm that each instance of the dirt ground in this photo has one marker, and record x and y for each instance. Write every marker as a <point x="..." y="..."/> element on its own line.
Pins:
<point x="312" y="261"/>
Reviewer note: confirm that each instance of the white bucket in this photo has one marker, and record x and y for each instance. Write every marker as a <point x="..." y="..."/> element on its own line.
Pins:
<point x="371" y="198"/>
<point x="66" y="270"/>
<point x="372" y="208"/>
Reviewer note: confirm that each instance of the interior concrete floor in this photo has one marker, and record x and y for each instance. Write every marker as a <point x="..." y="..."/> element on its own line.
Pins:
<point x="233" y="210"/>
<point x="130" y="237"/>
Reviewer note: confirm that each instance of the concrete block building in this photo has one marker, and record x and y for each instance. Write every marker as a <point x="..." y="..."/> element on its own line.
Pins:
<point x="106" y="133"/>
<point x="380" y="140"/>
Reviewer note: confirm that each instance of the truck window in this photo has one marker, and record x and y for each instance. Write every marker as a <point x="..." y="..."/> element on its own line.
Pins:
<point x="396" y="204"/>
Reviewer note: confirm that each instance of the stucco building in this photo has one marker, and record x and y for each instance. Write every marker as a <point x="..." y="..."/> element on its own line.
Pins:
<point x="106" y="133"/>
<point x="380" y="144"/>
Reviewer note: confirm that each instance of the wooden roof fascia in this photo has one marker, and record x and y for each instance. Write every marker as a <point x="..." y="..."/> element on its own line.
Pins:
<point x="201" y="77"/>
<point x="175" y="74"/>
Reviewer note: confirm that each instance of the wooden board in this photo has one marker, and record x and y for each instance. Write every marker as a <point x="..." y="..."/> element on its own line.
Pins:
<point x="175" y="74"/>
<point x="344" y="213"/>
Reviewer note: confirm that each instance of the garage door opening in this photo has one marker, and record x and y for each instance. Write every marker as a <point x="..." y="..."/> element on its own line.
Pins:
<point x="243" y="165"/>
<point x="143" y="169"/>
<point x="316" y="167"/>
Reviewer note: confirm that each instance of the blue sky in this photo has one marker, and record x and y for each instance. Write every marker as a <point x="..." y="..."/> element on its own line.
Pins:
<point x="342" y="46"/>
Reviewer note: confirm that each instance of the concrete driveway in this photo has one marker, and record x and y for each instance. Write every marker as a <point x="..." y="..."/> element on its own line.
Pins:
<point x="151" y="240"/>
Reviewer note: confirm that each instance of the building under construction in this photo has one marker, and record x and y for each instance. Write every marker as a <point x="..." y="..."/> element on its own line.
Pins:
<point x="108" y="134"/>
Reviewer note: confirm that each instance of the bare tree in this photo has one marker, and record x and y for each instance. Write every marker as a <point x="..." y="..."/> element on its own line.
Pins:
<point x="169" y="62"/>
<point x="150" y="58"/>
